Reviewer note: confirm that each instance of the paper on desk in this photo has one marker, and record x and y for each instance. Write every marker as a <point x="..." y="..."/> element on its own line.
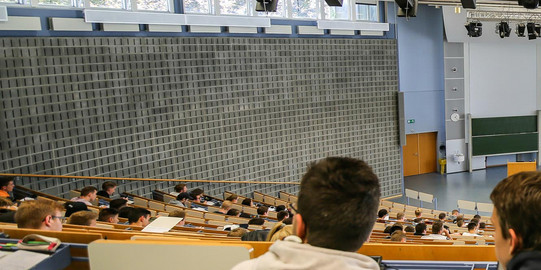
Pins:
<point x="162" y="224"/>
<point x="22" y="260"/>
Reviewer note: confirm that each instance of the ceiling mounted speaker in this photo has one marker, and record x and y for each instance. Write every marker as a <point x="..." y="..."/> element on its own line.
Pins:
<point x="409" y="8"/>
<point x="334" y="3"/>
<point x="266" y="5"/>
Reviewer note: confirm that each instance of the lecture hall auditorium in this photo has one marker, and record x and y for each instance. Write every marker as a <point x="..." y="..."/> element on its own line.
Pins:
<point x="236" y="98"/>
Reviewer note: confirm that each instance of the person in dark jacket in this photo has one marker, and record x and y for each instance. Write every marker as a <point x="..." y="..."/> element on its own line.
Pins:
<point x="517" y="202"/>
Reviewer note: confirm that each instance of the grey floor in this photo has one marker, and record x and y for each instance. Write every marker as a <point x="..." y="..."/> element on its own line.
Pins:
<point x="449" y="188"/>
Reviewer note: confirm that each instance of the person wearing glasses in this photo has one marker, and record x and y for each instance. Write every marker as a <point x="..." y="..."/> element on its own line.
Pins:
<point x="328" y="235"/>
<point x="41" y="215"/>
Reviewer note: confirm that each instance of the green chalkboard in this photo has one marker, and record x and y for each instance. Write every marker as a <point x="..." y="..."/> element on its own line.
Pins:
<point x="504" y="125"/>
<point x="501" y="144"/>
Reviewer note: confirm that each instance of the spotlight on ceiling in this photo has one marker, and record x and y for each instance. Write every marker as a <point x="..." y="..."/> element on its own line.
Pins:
<point x="521" y="28"/>
<point x="475" y="29"/>
<point x="532" y="34"/>
<point x="529" y="4"/>
<point x="503" y="29"/>
<point x="266" y="5"/>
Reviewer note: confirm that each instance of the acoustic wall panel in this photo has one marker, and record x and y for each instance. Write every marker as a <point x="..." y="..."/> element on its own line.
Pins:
<point x="219" y="108"/>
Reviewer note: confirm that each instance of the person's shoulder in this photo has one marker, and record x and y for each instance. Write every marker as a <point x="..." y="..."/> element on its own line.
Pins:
<point x="249" y="264"/>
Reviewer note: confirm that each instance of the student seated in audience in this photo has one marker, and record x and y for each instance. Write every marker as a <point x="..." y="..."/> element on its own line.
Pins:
<point x="7" y="210"/>
<point x="74" y="207"/>
<point x="442" y="217"/>
<point x="279" y="232"/>
<point x="7" y="184"/>
<point x="478" y="217"/>
<point x="437" y="231"/>
<point x="288" y="221"/>
<point x="232" y="198"/>
<point x="124" y="212"/>
<point x="118" y="204"/>
<point x="85" y="218"/>
<point x="41" y="215"/>
<point x="224" y="208"/>
<point x="460" y="222"/>
<point x="328" y="241"/>
<point x="181" y="200"/>
<point x="516" y="219"/>
<point x="409" y="228"/>
<point x="482" y="226"/>
<point x="139" y="217"/>
<point x="472" y="229"/>
<point x="107" y="189"/>
<point x="233" y="212"/>
<point x="400" y="217"/>
<point x="263" y="212"/>
<point x="196" y="195"/>
<point x="179" y="214"/>
<point x="280" y="216"/>
<point x="420" y="229"/>
<point x="453" y="216"/>
<point x="256" y="221"/>
<point x="179" y="188"/>
<point x="393" y="228"/>
<point x="88" y="195"/>
<point x="109" y="215"/>
<point x="399" y="236"/>
<point x="383" y="215"/>
<point x="418" y="216"/>
<point x="248" y="202"/>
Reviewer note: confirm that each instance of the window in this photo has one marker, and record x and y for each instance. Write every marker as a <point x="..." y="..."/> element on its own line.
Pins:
<point x="155" y="5"/>
<point x="106" y="3"/>
<point x="280" y="11"/>
<point x="338" y="13"/>
<point x="56" y="2"/>
<point x="197" y="6"/>
<point x="233" y="7"/>
<point x="305" y="9"/>
<point x="367" y="11"/>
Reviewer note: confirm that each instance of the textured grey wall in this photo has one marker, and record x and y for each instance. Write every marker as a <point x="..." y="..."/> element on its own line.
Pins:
<point x="195" y="108"/>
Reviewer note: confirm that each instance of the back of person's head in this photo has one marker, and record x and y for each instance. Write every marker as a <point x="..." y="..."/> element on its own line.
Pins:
<point x="409" y="229"/>
<point x="387" y="229"/>
<point x="178" y="214"/>
<point x="31" y="214"/>
<point x="382" y="213"/>
<point x="107" y="185"/>
<point x="460" y="223"/>
<point x="233" y="212"/>
<point x="237" y="232"/>
<point x="475" y="220"/>
<point x="282" y="215"/>
<point x="118" y="203"/>
<point x="179" y="188"/>
<point x="74" y="207"/>
<point x="137" y="213"/>
<point x="232" y="197"/>
<point x="85" y="218"/>
<point x="338" y="202"/>
<point x="196" y="192"/>
<point x="517" y="199"/>
<point x="396" y="227"/>
<point x="398" y="236"/>
<point x="482" y="225"/>
<point x="279" y="232"/>
<point x="106" y="214"/>
<point x="418" y="212"/>
<point x="280" y="207"/>
<point x="4" y="181"/>
<point x="420" y="228"/>
<point x="454" y="212"/>
<point x="124" y="212"/>
<point x="399" y="215"/>
<point x="226" y="205"/>
<point x="182" y="196"/>
<point x="437" y="227"/>
<point x="88" y="190"/>
<point x="247" y="201"/>
<point x="288" y="221"/>
<point x="472" y="226"/>
<point x="477" y="217"/>
<point x="5" y="202"/>
<point x="442" y="216"/>
<point x="262" y="210"/>
<point x="256" y="221"/>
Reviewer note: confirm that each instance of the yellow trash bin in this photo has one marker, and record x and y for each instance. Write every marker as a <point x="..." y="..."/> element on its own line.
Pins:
<point x="442" y="165"/>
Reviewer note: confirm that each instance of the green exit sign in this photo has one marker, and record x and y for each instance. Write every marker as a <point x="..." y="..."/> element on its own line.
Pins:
<point x="411" y="121"/>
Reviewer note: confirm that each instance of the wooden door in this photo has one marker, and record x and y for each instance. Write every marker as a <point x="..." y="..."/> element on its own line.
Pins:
<point x="419" y="154"/>
<point x="411" y="155"/>
<point x="428" y="157"/>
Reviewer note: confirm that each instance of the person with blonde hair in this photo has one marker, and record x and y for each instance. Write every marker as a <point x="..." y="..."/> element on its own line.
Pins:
<point x="398" y="236"/>
<point x="41" y="215"/>
<point x="85" y="218"/>
<point x="279" y="232"/>
<point x="7" y="210"/>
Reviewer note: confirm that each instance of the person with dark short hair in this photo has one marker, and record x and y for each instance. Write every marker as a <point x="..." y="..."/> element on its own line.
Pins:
<point x="74" y="207"/>
<point x="383" y="215"/>
<point x="233" y="212"/>
<point x="437" y="231"/>
<point x="280" y="216"/>
<point x="326" y="236"/>
<point x="196" y="195"/>
<point x="181" y="200"/>
<point x="7" y="183"/>
<point x="139" y="217"/>
<point x="232" y="198"/>
<point x="262" y="211"/>
<point x="124" y="212"/>
<point x="256" y="221"/>
<point x="247" y="202"/>
<point x="420" y="229"/>
<point x="109" y="215"/>
<point x="88" y="195"/>
<point x="107" y="189"/>
<point x="516" y="219"/>
<point x="442" y="217"/>
<point x="118" y="204"/>
<point x="179" y="188"/>
<point x="472" y="229"/>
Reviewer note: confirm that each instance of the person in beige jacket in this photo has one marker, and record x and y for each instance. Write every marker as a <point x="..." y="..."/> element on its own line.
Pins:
<point x="337" y="208"/>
